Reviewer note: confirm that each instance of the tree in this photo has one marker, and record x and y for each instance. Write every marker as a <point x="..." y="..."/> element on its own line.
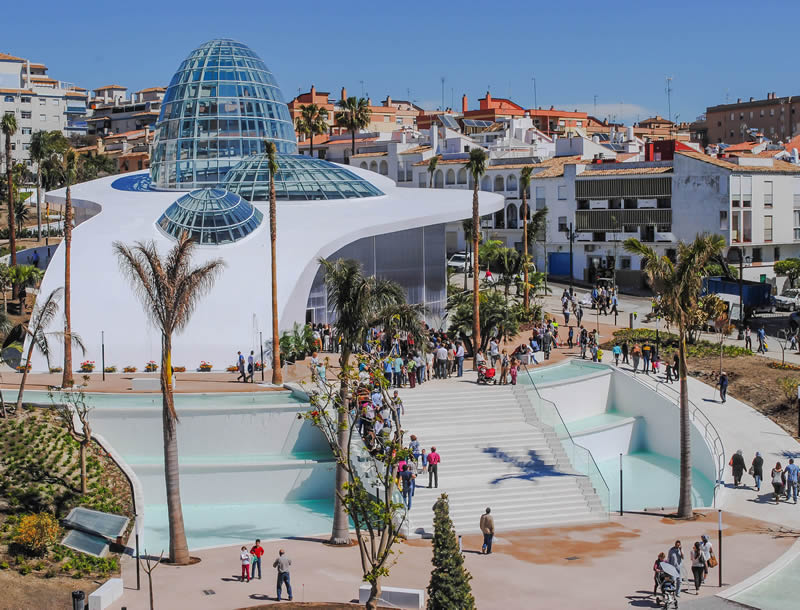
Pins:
<point x="24" y="276"/>
<point x="149" y="565"/>
<point x="42" y="143"/>
<point x="72" y="405"/>
<point x="678" y="286"/>
<point x="36" y="333"/>
<point x="169" y="289"/>
<point x="495" y="315"/>
<point x="466" y="225"/>
<point x="536" y="230"/>
<point x="95" y="166"/>
<point x="432" y="163"/>
<point x="5" y="326"/>
<point x="69" y="170"/>
<point x="312" y="122"/>
<point x="524" y="185"/>
<point x="449" y="586"/>
<point x="9" y="127"/>
<point x="21" y="213"/>
<point x="277" y="372"/>
<point x="370" y="496"/>
<point x="790" y="267"/>
<point x="355" y="115"/>
<point x="477" y="168"/>
<point x="356" y="299"/>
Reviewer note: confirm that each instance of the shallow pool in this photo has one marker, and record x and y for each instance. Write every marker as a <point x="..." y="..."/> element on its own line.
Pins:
<point x="652" y="480"/>
<point x="776" y="592"/>
<point x="558" y="372"/>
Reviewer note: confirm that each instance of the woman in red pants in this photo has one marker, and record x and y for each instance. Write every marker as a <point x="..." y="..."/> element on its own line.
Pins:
<point x="244" y="556"/>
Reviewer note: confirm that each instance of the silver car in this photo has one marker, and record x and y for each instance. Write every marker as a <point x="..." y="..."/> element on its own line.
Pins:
<point x="789" y="300"/>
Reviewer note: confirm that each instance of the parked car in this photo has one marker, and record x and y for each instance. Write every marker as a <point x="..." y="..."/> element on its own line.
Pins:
<point x="789" y="300"/>
<point x="459" y="261"/>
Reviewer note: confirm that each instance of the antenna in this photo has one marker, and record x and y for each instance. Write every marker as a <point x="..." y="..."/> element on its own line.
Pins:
<point x="362" y="87"/>
<point x="535" y="101"/>
<point x="408" y="94"/>
<point x="669" y="97"/>
<point x="595" y="104"/>
<point x="442" y="93"/>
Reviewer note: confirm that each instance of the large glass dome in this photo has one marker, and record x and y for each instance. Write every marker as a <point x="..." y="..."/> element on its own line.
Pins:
<point x="299" y="178"/>
<point x="210" y="216"/>
<point x="220" y="106"/>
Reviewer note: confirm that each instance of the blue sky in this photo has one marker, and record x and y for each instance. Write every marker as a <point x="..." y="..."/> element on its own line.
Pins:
<point x="619" y="51"/>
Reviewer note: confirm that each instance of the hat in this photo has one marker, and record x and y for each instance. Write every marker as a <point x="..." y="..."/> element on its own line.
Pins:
<point x="704" y="538"/>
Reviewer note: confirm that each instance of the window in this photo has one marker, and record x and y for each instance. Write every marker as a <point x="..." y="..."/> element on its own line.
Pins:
<point x="796" y="217"/>
<point x="767" y="228"/>
<point x="757" y="255"/>
<point x="25" y="100"/>
<point x="42" y="101"/>
<point x="741" y="116"/>
<point x="25" y="115"/>
<point x="8" y="99"/>
<point x="747" y="225"/>
<point x="762" y="112"/>
<point x="26" y="146"/>
<point x="719" y="123"/>
<point x="561" y="123"/>
<point x="723" y="220"/>
<point x="625" y="262"/>
<point x="776" y="253"/>
<point x="731" y="132"/>
<point x="751" y="114"/>
<point x="562" y="223"/>
<point x="386" y="118"/>
<point x="422" y="181"/>
<point x="42" y="117"/>
<point x="768" y="193"/>
<point x="735" y="228"/>
<point x="562" y="191"/>
<point x="579" y="123"/>
<point x="54" y="101"/>
<point x="771" y="112"/>
<point x="733" y="116"/>
<point x="26" y="131"/>
<point x="747" y="191"/>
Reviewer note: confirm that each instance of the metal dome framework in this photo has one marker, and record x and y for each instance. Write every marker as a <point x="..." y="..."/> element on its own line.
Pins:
<point x="299" y="178"/>
<point x="221" y="105"/>
<point x="210" y="217"/>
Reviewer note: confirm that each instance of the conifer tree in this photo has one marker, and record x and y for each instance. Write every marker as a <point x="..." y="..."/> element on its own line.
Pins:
<point x="449" y="587"/>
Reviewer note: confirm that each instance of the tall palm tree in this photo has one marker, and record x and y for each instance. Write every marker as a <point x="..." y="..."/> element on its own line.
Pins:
<point x="355" y="115"/>
<point x="356" y="300"/>
<point x="170" y="289"/>
<point x="432" y="163"/>
<point x="313" y="121"/>
<point x="21" y="214"/>
<point x="277" y="373"/>
<point x="69" y="162"/>
<point x="41" y="149"/>
<point x="9" y="127"/>
<point x="466" y="225"/>
<point x="35" y="331"/>
<point x="679" y="285"/>
<point x="477" y="168"/>
<point x="524" y="184"/>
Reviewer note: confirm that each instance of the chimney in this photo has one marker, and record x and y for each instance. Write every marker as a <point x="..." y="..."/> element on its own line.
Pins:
<point x="738" y="100"/>
<point x="464" y="104"/>
<point x="434" y="138"/>
<point x="344" y="94"/>
<point x="488" y="99"/>
<point x="388" y="101"/>
<point x="752" y="99"/>
<point x="369" y="101"/>
<point x="313" y="93"/>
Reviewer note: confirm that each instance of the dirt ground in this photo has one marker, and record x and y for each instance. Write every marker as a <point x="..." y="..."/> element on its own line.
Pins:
<point x="36" y="593"/>
<point x="754" y="382"/>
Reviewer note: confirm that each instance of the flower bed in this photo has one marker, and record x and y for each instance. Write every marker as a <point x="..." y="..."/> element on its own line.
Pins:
<point x="783" y="366"/>
<point x="110" y="369"/>
<point x="56" y="369"/>
<point x="205" y="367"/>
<point x="21" y="368"/>
<point x="129" y="369"/>
<point x="150" y="367"/>
<point x="87" y="366"/>
<point x="232" y="368"/>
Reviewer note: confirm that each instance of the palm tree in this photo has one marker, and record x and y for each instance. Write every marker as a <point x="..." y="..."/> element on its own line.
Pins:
<point x="35" y="331"/>
<point x="41" y="149"/>
<point x="432" y="163"/>
<point x="477" y="167"/>
<point x="536" y="230"/>
<point x="356" y="300"/>
<point x="466" y="225"/>
<point x="24" y="276"/>
<point x="169" y="289"/>
<point x="524" y="184"/>
<point x="679" y="287"/>
<point x="277" y="373"/>
<point x="21" y="213"/>
<point x="313" y="121"/>
<point x="69" y="163"/>
<point x="9" y="127"/>
<point x="355" y="115"/>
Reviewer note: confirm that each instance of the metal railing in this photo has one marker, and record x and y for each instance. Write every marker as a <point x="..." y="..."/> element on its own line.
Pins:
<point x="581" y="459"/>
<point x="710" y="434"/>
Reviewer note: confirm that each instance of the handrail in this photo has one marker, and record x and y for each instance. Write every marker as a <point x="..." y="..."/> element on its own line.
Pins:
<point x="711" y="439"/>
<point x="599" y="475"/>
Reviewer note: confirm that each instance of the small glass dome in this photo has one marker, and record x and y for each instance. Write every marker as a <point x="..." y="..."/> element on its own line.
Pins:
<point x="299" y="178"/>
<point x="210" y="216"/>
<point x="220" y="107"/>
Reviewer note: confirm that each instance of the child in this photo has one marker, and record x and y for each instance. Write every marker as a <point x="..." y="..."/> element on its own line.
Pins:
<point x="244" y="557"/>
<point x="513" y="371"/>
<point x="656" y="362"/>
<point x="424" y="459"/>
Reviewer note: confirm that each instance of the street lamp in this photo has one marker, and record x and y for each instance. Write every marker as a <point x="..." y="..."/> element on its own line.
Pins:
<point x="571" y="237"/>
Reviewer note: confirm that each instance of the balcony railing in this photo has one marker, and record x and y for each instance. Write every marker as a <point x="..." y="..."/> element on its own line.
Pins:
<point x="614" y="220"/>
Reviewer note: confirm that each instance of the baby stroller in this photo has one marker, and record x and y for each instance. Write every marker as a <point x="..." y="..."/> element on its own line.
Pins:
<point x="667" y="578"/>
<point x="485" y="375"/>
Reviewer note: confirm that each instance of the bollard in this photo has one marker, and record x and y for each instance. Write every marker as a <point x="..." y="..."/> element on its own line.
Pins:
<point x="78" y="600"/>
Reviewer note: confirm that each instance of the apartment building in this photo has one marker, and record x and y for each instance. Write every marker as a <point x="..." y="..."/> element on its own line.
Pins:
<point x="777" y="118"/>
<point x="39" y="102"/>
<point x="113" y="112"/>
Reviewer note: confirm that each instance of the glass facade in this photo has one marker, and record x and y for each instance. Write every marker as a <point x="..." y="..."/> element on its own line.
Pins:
<point x="299" y="178"/>
<point x="210" y="216"/>
<point x="220" y="107"/>
<point x="414" y="258"/>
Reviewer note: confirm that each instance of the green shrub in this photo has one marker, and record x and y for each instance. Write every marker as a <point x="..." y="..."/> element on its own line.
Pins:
<point x="669" y="343"/>
<point x="25" y="570"/>
<point x="4" y="565"/>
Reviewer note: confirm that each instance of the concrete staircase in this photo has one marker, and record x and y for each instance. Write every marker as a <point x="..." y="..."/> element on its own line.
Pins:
<point x="492" y="456"/>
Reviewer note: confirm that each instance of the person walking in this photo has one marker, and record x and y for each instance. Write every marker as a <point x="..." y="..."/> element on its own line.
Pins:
<point x="762" y="340"/>
<point x="494" y="351"/>
<point x="579" y="314"/>
<point x="244" y="559"/>
<point x="636" y="354"/>
<point x="656" y="570"/>
<point x="460" y="359"/>
<point x="565" y="311"/>
<point x="668" y="367"/>
<point x="737" y="467"/>
<point x="646" y="354"/>
<point x="240" y="366"/>
<point x="547" y="342"/>
<point x="251" y="366"/>
<point x="776" y="475"/>
<point x="423" y="461"/>
<point x="257" y="553"/>
<point x="748" y="340"/>
<point x="584" y="341"/>
<point x="504" y="364"/>
<point x="570" y="337"/>
<point x="708" y="553"/>
<point x="617" y="351"/>
<point x="433" y="468"/>
<point x="723" y="386"/>
<point x="757" y="470"/>
<point x="791" y="480"/>
<point x="625" y="352"/>
<point x="407" y="477"/>
<point x="283" y="563"/>
<point x="514" y="370"/>
<point x="487" y="527"/>
<point x="698" y="566"/>
<point x="675" y="558"/>
<point x="441" y="362"/>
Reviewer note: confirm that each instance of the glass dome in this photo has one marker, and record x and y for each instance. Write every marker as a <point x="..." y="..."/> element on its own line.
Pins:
<point x="210" y="216"/>
<point x="299" y="178"/>
<point x="220" y="106"/>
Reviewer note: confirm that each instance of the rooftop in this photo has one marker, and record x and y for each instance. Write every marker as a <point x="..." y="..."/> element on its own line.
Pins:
<point x="628" y="171"/>
<point x="777" y="167"/>
<point x="7" y="57"/>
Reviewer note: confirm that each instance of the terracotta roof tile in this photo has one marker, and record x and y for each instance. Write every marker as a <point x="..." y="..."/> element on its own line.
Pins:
<point x="415" y="151"/>
<point x="43" y="79"/>
<point x="75" y="94"/>
<point x="778" y="167"/>
<point x="28" y="91"/>
<point x="628" y="171"/>
<point x="110" y="87"/>
<point x="742" y="146"/>
<point x="370" y="154"/>
<point x="7" y="57"/>
<point x="151" y="89"/>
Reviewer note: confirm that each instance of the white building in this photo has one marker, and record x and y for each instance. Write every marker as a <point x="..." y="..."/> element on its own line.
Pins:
<point x="39" y="102"/>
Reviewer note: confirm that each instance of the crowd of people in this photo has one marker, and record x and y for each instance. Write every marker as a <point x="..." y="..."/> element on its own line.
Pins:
<point x="250" y="562"/>
<point x="668" y="578"/>
<point x="784" y="479"/>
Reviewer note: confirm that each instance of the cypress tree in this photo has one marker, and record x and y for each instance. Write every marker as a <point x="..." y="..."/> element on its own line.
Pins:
<point x="449" y="587"/>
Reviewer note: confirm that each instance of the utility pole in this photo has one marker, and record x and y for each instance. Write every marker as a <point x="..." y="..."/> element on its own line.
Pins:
<point x="535" y="101"/>
<point x="571" y="236"/>
<point x="362" y="87"/>
<point x="669" y="97"/>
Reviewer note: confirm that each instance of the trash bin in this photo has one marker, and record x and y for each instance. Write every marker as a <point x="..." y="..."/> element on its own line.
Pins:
<point x="78" y="600"/>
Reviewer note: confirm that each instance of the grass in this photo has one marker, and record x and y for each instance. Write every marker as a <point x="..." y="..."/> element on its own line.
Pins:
<point x="40" y="472"/>
<point x="669" y="342"/>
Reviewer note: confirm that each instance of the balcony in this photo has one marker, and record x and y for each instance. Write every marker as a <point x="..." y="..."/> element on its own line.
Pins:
<point x="613" y="220"/>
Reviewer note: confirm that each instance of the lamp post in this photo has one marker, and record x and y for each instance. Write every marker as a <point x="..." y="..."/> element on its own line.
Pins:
<point x="740" y="255"/>
<point x="571" y="236"/>
<point x="103" y="352"/>
<point x="261" y="345"/>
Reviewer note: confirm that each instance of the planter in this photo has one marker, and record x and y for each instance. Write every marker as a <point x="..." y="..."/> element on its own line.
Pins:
<point x="178" y="369"/>
<point x="129" y="369"/>
<point x="205" y="367"/>
<point x="150" y="367"/>
<point x="110" y="369"/>
<point x="232" y="368"/>
<point x="21" y="369"/>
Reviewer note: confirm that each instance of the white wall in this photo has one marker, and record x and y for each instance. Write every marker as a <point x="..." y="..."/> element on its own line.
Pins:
<point x="579" y="399"/>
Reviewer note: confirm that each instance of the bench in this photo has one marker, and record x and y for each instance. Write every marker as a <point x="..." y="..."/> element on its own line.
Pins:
<point x="106" y="595"/>
<point x="394" y="597"/>
<point x="148" y="384"/>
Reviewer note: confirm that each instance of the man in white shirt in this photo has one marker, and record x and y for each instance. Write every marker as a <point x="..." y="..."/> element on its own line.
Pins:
<point x="708" y="553"/>
<point x="460" y="359"/>
<point x="441" y="362"/>
<point x="494" y="351"/>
